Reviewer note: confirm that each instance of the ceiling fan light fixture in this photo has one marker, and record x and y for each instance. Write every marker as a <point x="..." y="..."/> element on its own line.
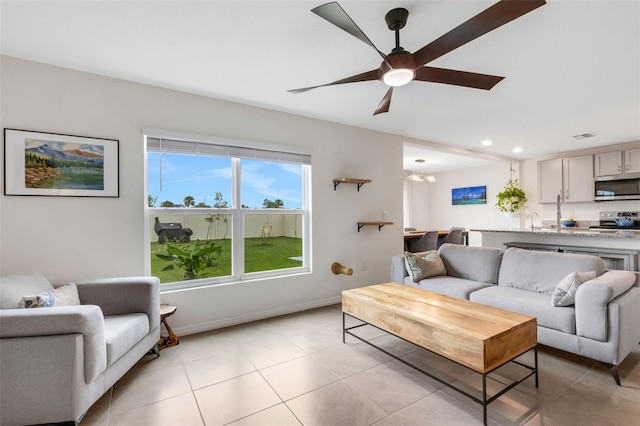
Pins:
<point x="418" y="177"/>
<point x="398" y="77"/>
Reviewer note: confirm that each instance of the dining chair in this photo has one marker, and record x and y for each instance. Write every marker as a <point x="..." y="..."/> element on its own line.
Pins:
<point x="429" y="241"/>
<point x="454" y="236"/>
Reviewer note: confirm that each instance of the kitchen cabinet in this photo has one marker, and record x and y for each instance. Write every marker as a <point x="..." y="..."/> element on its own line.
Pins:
<point x="571" y="177"/>
<point x="608" y="163"/>
<point x="632" y="161"/>
<point x="549" y="180"/>
<point x="617" y="162"/>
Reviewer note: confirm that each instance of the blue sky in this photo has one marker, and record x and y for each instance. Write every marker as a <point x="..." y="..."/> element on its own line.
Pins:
<point x="203" y="176"/>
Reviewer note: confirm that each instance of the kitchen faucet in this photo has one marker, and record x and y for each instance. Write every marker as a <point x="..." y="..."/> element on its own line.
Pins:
<point x="558" y="213"/>
<point x="532" y="215"/>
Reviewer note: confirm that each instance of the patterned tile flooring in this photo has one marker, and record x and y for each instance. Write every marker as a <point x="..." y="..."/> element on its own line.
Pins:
<point x="295" y="370"/>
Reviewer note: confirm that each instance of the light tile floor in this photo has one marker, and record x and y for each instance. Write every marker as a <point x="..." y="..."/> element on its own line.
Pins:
<point x="294" y="370"/>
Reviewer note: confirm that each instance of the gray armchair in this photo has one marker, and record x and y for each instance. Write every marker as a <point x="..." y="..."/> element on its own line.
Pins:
<point x="58" y="361"/>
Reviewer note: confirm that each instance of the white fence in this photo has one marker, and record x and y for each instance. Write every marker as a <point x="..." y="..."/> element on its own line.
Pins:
<point x="277" y="224"/>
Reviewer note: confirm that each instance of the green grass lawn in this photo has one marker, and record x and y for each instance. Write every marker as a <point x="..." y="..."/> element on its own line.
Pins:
<point x="273" y="253"/>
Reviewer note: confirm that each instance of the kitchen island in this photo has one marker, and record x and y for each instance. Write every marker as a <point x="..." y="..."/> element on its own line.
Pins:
<point x="618" y="248"/>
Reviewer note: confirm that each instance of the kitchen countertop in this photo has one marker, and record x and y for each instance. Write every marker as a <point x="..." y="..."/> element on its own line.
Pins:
<point x="570" y="232"/>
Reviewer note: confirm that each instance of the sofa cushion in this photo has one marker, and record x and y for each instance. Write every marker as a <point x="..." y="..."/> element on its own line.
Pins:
<point x="528" y="303"/>
<point x="424" y="266"/>
<point x="122" y="332"/>
<point x="473" y="263"/>
<point x="451" y="286"/>
<point x="66" y="295"/>
<point x="14" y="287"/>
<point x="565" y="292"/>
<point x="541" y="271"/>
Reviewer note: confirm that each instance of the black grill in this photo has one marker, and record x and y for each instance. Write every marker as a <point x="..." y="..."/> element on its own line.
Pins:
<point x="172" y="231"/>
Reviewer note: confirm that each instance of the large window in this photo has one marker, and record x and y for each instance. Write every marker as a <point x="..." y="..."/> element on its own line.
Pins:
<point x="221" y="211"/>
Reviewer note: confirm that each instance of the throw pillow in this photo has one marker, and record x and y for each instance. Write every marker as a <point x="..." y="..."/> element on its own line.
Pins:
<point x="565" y="292"/>
<point x="66" y="295"/>
<point x="429" y="265"/>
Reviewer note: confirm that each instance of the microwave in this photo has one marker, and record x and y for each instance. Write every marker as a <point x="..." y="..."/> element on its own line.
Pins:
<point x="617" y="187"/>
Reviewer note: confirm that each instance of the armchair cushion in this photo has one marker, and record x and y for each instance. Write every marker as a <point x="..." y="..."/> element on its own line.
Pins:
<point x="66" y="295"/>
<point x="122" y="332"/>
<point x="14" y="287"/>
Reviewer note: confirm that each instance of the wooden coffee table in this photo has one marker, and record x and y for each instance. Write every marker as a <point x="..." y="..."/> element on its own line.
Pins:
<point x="479" y="337"/>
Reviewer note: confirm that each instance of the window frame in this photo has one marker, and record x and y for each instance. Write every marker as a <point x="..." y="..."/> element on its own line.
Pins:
<point x="237" y="213"/>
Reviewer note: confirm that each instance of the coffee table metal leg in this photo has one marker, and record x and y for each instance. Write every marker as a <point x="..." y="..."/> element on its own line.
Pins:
<point x="484" y="399"/>
<point x="344" y="328"/>
<point x="535" y="356"/>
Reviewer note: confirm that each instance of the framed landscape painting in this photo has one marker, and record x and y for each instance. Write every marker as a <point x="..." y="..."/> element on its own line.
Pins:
<point x="38" y="163"/>
<point x="470" y="195"/>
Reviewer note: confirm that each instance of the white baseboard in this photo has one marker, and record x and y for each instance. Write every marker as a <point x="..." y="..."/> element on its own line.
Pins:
<point x="254" y="316"/>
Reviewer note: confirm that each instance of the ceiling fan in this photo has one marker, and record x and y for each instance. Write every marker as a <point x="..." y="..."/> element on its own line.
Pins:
<point x="401" y="67"/>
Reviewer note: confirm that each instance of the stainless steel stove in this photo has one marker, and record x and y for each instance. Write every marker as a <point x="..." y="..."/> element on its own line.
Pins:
<point x="608" y="220"/>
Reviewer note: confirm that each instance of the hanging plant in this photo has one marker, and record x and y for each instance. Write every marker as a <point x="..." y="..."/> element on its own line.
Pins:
<point x="512" y="199"/>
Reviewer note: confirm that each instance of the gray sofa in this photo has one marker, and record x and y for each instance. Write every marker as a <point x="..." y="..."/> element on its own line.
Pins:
<point x="603" y="324"/>
<point x="57" y="361"/>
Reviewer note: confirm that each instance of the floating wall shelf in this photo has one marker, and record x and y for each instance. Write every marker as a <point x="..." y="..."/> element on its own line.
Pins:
<point x="377" y="223"/>
<point x="358" y="182"/>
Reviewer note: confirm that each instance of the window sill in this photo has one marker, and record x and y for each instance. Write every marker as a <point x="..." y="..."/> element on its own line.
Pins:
<point x="178" y="286"/>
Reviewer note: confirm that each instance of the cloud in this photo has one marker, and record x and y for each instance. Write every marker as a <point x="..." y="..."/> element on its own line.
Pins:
<point x="267" y="186"/>
<point x="292" y="168"/>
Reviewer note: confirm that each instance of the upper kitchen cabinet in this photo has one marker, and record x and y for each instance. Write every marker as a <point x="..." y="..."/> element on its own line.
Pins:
<point x="549" y="180"/>
<point x="571" y="177"/>
<point x="632" y="161"/>
<point x="617" y="162"/>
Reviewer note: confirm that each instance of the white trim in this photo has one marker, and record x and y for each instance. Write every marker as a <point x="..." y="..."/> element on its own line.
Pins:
<point x="254" y="316"/>
<point x="147" y="215"/>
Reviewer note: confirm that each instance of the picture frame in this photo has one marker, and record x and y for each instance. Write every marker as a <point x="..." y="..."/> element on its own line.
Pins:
<point x="60" y="165"/>
<point x="472" y="195"/>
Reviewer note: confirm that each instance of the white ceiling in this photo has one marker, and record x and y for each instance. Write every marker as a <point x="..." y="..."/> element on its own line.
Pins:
<point x="571" y="67"/>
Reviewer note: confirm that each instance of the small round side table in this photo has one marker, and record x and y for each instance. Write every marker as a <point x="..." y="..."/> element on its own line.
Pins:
<point x="171" y="340"/>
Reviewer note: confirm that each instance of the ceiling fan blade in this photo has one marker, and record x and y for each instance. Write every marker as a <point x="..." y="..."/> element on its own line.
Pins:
<point x="384" y="104"/>
<point x="457" y="78"/>
<point x="365" y="76"/>
<point x="497" y="15"/>
<point x="335" y="14"/>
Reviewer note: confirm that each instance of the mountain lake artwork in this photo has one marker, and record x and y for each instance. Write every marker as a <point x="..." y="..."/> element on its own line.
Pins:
<point x="63" y="165"/>
<point x="470" y="195"/>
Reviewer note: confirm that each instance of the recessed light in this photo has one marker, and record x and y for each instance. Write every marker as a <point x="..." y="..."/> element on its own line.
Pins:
<point x="487" y="142"/>
<point x="420" y="160"/>
<point x="517" y="149"/>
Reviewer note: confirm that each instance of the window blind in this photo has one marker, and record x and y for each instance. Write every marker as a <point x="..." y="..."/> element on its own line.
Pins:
<point x="174" y="146"/>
